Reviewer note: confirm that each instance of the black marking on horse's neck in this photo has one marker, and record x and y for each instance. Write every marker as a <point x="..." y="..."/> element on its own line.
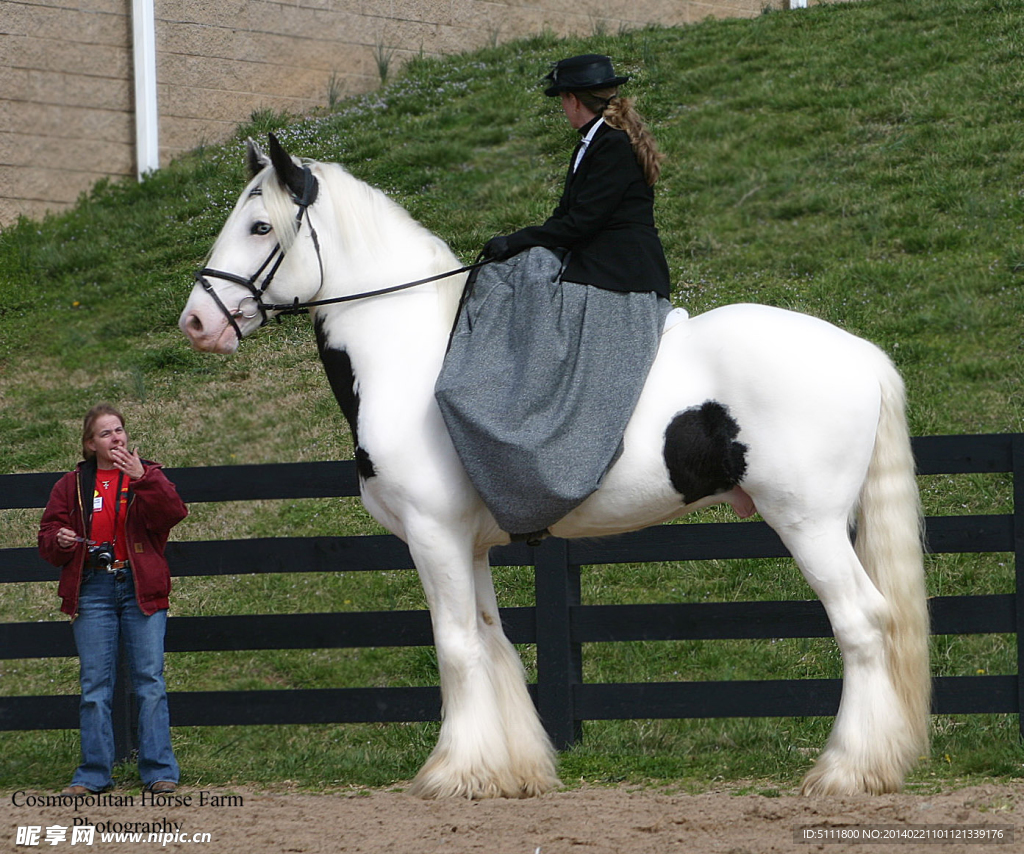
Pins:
<point x="342" y="379"/>
<point x="702" y="457"/>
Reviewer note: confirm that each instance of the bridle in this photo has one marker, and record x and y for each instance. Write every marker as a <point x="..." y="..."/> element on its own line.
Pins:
<point x="254" y="303"/>
<point x="311" y="189"/>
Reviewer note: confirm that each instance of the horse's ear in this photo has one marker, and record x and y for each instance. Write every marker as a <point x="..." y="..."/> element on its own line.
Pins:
<point x="255" y="157"/>
<point x="288" y="171"/>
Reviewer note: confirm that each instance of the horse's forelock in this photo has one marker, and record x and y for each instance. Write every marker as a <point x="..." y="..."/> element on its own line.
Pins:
<point x="280" y="208"/>
<point x="277" y="203"/>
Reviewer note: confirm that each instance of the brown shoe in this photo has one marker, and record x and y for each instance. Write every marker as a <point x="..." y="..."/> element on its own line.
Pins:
<point x="77" y="791"/>
<point x="163" y="787"/>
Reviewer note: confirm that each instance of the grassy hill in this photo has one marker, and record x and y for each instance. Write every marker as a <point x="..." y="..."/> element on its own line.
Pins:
<point x="860" y="162"/>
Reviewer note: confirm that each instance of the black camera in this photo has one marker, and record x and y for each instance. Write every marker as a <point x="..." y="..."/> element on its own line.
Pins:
<point x="101" y="556"/>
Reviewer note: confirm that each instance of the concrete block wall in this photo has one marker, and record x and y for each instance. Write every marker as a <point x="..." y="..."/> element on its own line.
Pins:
<point x="66" y="72"/>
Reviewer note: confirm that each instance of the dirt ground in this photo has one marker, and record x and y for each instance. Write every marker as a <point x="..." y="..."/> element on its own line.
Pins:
<point x="581" y="821"/>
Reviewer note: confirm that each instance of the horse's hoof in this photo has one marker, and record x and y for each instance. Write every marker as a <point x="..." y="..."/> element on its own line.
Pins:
<point x="430" y="784"/>
<point x="830" y="779"/>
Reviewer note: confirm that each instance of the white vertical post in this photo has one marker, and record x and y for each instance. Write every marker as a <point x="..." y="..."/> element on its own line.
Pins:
<point x="147" y="138"/>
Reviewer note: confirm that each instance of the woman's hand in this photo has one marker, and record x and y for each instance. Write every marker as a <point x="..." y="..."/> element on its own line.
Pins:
<point x="66" y="538"/>
<point x="128" y="462"/>
<point x="497" y="249"/>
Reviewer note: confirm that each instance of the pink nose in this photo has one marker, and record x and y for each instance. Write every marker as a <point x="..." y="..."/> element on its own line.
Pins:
<point x="207" y="335"/>
<point x="192" y="326"/>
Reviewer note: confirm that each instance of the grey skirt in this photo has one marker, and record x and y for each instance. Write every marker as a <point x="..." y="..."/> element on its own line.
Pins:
<point x="540" y="379"/>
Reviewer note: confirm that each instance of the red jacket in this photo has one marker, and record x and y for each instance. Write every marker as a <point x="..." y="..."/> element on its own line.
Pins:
<point x="153" y="509"/>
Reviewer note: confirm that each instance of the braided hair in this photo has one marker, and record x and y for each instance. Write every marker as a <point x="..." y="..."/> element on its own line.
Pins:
<point x="620" y="114"/>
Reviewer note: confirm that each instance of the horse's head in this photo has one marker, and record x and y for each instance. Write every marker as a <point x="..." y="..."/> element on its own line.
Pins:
<point x="255" y="265"/>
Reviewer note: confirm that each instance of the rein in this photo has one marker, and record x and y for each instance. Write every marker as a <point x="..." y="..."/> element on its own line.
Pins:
<point x="275" y="258"/>
<point x="301" y="307"/>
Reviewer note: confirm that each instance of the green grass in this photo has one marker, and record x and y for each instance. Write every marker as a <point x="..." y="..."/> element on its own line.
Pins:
<point x="860" y="162"/>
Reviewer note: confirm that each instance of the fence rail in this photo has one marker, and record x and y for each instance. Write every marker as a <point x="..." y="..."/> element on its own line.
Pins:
<point x="559" y="624"/>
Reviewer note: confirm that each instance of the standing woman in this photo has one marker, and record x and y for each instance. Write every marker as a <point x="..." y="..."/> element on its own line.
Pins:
<point x="106" y="526"/>
<point x="537" y="398"/>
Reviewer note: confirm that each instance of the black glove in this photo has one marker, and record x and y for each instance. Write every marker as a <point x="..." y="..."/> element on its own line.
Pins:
<point x="497" y="249"/>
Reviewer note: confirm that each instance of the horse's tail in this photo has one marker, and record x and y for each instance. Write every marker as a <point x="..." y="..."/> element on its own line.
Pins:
<point x="889" y="546"/>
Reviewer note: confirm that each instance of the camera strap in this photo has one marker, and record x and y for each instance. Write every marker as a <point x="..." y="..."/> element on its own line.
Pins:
<point x="117" y="510"/>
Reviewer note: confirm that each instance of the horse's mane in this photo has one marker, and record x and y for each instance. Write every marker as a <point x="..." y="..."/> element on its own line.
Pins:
<point x="374" y="231"/>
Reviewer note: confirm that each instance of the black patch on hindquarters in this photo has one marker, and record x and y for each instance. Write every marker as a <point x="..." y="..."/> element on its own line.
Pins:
<point x="342" y="378"/>
<point x="701" y="453"/>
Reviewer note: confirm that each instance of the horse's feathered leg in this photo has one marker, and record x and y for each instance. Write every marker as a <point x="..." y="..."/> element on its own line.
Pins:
<point x="485" y="739"/>
<point x="889" y="549"/>
<point x="530" y="750"/>
<point x="470" y="759"/>
<point x="870" y="743"/>
<point x="876" y="600"/>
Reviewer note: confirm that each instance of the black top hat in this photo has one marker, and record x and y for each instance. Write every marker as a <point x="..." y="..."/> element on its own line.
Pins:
<point x="590" y="71"/>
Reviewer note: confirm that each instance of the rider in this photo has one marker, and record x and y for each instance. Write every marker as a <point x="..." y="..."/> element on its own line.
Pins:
<point x="606" y="213"/>
<point x="538" y="398"/>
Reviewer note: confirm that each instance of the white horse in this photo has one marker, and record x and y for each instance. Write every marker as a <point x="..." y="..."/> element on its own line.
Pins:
<point x="745" y="400"/>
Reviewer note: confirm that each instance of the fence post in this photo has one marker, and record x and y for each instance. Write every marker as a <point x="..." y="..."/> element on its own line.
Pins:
<point x="559" y="660"/>
<point x="124" y="709"/>
<point x="1018" y="552"/>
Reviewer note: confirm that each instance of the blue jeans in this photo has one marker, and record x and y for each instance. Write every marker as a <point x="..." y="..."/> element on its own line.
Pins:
<point x="107" y="611"/>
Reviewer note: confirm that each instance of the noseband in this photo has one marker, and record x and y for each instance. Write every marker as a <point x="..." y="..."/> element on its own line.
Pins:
<point x="257" y="288"/>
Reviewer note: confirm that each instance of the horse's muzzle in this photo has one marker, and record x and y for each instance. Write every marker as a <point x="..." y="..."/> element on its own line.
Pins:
<point x="208" y="332"/>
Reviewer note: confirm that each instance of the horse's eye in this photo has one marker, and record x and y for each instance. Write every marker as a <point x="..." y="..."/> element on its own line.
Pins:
<point x="261" y="228"/>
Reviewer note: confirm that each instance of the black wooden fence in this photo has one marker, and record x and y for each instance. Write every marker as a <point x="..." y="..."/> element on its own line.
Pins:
<point x="558" y="624"/>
